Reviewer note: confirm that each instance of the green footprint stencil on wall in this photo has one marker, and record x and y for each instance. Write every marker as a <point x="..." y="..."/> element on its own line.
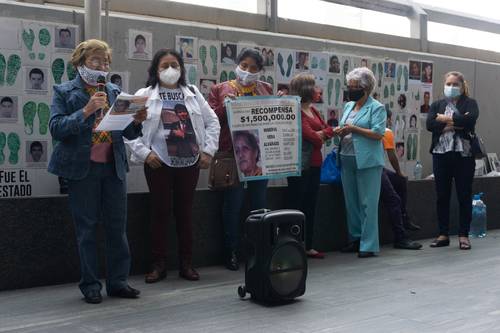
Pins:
<point x="289" y="61"/>
<point x="322" y="64"/>
<point x="213" y="57"/>
<point x="13" y="67"/>
<point x="415" y="148"/>
<point x="29" y="112"/>
<point x="43" y="118"/>
<point x="380" y="72"/>
<point x="280" y="64"/>
<point x="203" y="59"/>
<point x="337" y="91"/>
<point x="270" y="80"/>
<point x="57" y="70"/>
<point x="393" y="90"/>
<point x="3" y="142"/>
<point x="29" y="40"/>
<point x="192" y="75"/>
<point x="223" y="76"/>
<point x="386" y="92"/>
<point x="329" y="91"/>
<point x="399" y="73"/>
<point x="232" y="75"/>
<point x="405" y="77"/>
<point x="3" y="65"/>
<point x="70" y="71"/>
<point x="374" y="69"/>
<point x="409" y="148"/>
<point x="262" y="78"/>
<point x="14" y="144"/>
<point x="314" y="63"/>
<point x="44" y="37"/>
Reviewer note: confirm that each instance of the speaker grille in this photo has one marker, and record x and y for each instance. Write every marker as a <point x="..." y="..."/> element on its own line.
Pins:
<point x="287" y="268"/>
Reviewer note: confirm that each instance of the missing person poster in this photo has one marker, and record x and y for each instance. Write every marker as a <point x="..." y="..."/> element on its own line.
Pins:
<point x="266" y="133"/>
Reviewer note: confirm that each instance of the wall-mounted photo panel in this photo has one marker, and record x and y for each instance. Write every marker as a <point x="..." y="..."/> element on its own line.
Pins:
<point x="228" y="53"/>
<point x="36" y="80"/>
<point x="37" y="42"/>
<point x="121" y="79"/>
<point x="10" y="29"/>
<point x="209" y="58"/>
<point x="66" y="38"/>
<point x="9" y="109"/>
<point x="36" y="153"/>
<point x="187" y="46"/>
<point x="140" y="45"/>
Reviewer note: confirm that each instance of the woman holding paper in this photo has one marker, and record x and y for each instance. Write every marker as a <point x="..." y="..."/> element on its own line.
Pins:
<point x="250" y="63"/>
<point x="179" y="138"/>
<point x="95" y="165"/>
<point x="361" y="161"/>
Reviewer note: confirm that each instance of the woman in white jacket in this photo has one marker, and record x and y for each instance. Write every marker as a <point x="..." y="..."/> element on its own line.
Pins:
<point x="180" y="136"/>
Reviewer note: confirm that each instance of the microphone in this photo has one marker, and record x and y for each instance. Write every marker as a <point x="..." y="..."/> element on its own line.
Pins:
<point x="101" y="87"/>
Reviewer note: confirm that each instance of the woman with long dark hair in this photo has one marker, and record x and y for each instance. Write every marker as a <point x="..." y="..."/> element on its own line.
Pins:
<point x="179" y="138"/>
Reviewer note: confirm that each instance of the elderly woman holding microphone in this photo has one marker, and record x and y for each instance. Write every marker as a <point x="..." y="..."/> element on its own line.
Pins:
<point x="95" y="165"/>
<point x="361" y="161"/>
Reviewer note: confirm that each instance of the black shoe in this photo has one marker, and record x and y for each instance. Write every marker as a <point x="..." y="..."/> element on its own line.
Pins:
<point x="407" y="244"/>
<point x="440" y="243"/>
<point x="409" y="225"/>
<point x="127" y="292"/>
<point x="93" y="297"/>
<point x="351" y="247"/>
<point x="364" y="254"/>
<point x="232" y="262"/>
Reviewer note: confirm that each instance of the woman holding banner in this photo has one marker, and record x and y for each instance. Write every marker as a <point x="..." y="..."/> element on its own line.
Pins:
<point x="303" y="190"/>
<point x="180" y="138"/>
<point x="95" y="165"/>
<point x="250" y="63"/>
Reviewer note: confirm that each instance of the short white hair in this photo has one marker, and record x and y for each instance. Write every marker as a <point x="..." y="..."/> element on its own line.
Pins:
<point x="364" y="77"/>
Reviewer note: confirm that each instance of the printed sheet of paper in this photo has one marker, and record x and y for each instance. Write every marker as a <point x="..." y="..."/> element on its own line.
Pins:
<point x="122" y="112"/>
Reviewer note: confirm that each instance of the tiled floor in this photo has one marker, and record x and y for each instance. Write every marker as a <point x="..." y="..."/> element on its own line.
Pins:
<point x="431" y="290"/>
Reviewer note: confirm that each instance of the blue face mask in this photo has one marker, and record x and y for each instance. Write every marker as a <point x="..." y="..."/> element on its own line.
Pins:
<point x="452" y="92"/>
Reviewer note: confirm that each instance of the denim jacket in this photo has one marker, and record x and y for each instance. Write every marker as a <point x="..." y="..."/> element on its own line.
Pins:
<point x="71" y="156"/>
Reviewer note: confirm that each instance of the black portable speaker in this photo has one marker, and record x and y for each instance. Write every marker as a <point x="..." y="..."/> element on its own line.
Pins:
<point x="276" y="266"/>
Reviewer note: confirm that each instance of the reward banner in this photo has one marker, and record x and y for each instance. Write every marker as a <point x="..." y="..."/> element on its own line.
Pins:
<point x="266" y="133"/>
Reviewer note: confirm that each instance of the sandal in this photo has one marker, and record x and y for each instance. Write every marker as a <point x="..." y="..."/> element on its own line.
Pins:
<point x="440" y="242"/>
<point x="464" y="245"/>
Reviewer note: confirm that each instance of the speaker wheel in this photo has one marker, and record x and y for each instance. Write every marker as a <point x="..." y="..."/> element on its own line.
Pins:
<point x="242" y="291"/>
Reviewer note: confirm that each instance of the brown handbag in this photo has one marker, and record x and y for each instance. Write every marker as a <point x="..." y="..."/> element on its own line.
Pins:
<point x="223" y="171"/>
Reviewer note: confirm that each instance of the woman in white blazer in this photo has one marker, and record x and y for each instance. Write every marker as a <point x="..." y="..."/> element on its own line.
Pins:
<point x="180" y="137"/>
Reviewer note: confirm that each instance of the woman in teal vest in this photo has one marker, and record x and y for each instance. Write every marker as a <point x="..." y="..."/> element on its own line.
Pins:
<point x="361" y="161"/>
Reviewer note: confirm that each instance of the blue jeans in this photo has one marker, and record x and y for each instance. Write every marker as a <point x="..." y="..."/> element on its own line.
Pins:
<point x="231" y="209"/>
<point x="101" y="196"/>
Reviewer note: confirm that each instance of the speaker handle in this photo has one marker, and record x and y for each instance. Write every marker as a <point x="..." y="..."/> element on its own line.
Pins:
<point x="260" y="211"/>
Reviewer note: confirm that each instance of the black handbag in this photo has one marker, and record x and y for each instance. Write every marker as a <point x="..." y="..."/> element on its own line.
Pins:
<point x="477" y="147"/>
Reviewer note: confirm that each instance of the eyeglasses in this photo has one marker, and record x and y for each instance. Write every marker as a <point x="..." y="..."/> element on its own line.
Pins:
<point x="95" y="62"/>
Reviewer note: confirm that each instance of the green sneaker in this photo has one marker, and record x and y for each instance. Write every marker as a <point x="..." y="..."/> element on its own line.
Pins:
<point x="43" y="118"/>
<point x="3" y="142"/>
<point x="203" y="58"/>
<point x="14" y="144"/>
<point x="29" y="113"/>
<point x="13" y="67"/>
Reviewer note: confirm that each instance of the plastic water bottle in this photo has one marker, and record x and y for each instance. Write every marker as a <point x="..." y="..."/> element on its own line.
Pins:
<point x="478" y="224"/>
<point x="417" y="172"/>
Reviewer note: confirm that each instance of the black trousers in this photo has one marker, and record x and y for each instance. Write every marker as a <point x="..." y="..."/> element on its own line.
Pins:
<point x="302" y="195"/>
<point x="448" y="167"/>
<point x="393" y="197"/>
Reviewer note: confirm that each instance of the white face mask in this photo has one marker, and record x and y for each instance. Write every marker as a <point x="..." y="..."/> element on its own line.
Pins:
<point x="246" y="78"/>
<point x="90" y="76"/>
<point x="170" y="76"/>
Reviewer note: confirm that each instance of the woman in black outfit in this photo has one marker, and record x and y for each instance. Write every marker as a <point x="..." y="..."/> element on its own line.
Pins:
<point x="451" y="121"/>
